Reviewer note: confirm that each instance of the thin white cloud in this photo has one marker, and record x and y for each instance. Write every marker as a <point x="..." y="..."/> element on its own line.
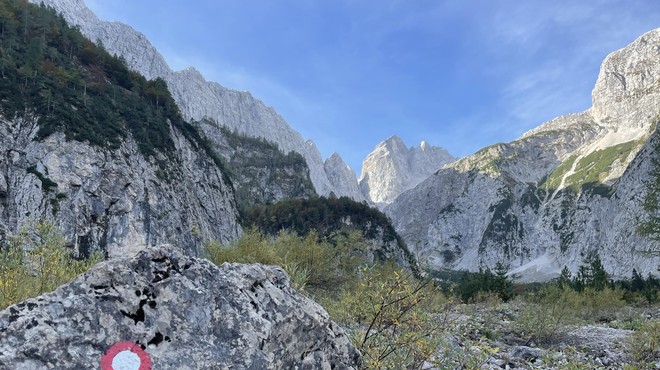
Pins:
<point x="550" y="84"/>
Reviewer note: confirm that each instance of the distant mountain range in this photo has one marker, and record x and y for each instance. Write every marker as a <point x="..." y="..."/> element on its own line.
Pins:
<point x="199" y="99"/>
<point x="569" y="189"/>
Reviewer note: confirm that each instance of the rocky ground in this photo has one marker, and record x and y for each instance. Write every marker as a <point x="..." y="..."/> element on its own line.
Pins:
<point x="490" y="338"/>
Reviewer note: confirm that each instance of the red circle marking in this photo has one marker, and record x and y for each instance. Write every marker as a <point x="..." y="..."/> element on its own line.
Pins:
<point x="106" y="360"/>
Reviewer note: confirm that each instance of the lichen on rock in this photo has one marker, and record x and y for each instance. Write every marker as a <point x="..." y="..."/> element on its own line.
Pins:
<point x="185" y="312"/>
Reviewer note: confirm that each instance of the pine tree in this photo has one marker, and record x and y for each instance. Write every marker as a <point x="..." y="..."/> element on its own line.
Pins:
<point x="637" y="284"/>
<point x="599" y="277"/>
<point x="565" y="278"/>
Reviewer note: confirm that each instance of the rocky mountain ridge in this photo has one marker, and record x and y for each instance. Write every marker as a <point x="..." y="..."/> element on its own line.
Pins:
<point x="108" y="160"/>
<point x="569" y="189"/>
<point x="260" y="172"/>
<point x="392" y="168"/>
<point x="200" y="100"/>
<point x="197" y="98"/>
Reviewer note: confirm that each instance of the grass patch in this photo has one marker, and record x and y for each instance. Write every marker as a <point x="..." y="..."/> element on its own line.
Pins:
<point x="590" y="171"/>
<point x="595" y="167"/>
<point x="554" y="180"/>
<point x="644" y="344"/>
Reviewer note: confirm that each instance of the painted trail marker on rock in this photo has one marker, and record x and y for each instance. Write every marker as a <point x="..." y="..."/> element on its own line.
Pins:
<point x="126" y="356"/>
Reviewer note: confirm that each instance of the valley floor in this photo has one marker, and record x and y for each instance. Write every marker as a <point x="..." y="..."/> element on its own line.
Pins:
<point x="489" y="337"/>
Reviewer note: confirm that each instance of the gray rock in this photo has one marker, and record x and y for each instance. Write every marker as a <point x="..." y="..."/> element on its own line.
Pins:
<point x="113" y="200"/>
<point x="185" y="312"/>
<point x="526" y="354"/>
<point x="342" y="178"/>
<point x="606" y="346"/>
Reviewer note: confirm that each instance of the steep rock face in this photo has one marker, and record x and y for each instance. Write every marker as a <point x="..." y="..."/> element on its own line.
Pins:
<point x="627" y="82"/>
<point x="185" y="312"/>
<point x="571" y="188"/>
<point x="260" y="172"/>
<point x="114" y="200"/>
<point x="197" y="98"/>
<point x="342" y="177"/>
<point x="392" y="168"/>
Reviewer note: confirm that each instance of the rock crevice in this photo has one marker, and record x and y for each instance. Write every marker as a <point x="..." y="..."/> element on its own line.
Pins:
<point x="186" y="313"/>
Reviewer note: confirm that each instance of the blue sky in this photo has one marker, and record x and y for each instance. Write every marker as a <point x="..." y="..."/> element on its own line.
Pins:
<point x="350" y="73"/>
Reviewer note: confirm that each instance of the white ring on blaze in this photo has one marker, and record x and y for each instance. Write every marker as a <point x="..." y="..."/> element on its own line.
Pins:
<point x="126" y="360"/>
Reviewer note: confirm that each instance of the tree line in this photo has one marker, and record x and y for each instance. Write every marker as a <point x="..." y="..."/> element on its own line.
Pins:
<point x="50" y="71"/>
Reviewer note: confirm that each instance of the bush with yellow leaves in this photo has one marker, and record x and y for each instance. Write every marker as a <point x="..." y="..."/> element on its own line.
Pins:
<point x="314" y="266"/>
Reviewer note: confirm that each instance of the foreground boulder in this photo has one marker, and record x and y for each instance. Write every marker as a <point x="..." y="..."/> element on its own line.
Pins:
<point x="183" y="312"/>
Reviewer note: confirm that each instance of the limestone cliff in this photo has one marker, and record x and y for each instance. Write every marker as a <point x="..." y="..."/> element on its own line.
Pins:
<point x="100" y="151"/>
<point x="260" y="172"/>
<point x="571" y="188"/>
<point x="111" y="199"/>
<point x="392" y="168"/>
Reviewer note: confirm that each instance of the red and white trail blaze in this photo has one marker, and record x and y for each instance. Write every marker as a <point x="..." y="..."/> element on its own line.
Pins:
<point x="126" y="356"/>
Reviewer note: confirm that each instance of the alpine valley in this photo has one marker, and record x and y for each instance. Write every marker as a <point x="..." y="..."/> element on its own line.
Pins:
<point x="572" y="188"/>
<point x="118" y="174"/>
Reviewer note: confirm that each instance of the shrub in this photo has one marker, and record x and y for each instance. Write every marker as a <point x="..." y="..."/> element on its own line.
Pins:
<point x="601" y="305"/>
<point x="548" y="313"/>
<point x="312" y="265"/>
<point x="644" y="343"/>
<point x="395" y="319"/>
<point x="36" y="261"/>
<point x="252" y="247"/>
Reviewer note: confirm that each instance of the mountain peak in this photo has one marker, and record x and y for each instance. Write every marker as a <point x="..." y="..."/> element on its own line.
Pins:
<point x="626" y="75"/>
<point x="334" y="155"/>
<point x="393" y="168"/>
<point x="393" y="138"/>
<point x="342" y="177"/>
<point x="393" y="142"/>
<point x="336" y="160"/>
